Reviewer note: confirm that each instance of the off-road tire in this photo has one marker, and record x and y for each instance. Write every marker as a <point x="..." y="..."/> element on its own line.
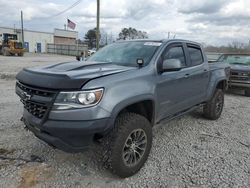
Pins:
<point x="125" y="125"/>
<point x="213" y="108"/>
<point x="247" y="92"/>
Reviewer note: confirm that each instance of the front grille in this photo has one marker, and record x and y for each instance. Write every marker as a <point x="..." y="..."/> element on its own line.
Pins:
<point x="244" y="76"/>
<point x="35" y="91"/>
<point x="36" y="109"/>
<point x="35" y="100"/>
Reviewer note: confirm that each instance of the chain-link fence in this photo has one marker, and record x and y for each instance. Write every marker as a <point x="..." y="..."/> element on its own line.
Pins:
<point x="64" y="49"/>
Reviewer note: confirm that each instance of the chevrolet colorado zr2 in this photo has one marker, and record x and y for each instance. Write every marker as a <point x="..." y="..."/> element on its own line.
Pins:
<point x="118" y="95"/>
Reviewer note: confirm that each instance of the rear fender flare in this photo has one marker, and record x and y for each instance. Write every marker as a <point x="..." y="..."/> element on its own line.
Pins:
<point x="216" y="83"/>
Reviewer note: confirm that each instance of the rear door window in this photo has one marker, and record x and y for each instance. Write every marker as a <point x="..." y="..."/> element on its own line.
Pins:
<point x="196" y="56"/>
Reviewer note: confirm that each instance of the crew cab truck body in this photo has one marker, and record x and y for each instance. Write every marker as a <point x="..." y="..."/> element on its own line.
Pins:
<point x="118" y="95"/>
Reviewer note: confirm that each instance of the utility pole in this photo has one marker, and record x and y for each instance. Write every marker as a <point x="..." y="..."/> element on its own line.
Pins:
<point x="22" y="27"/>
<point x="98" y="25"/>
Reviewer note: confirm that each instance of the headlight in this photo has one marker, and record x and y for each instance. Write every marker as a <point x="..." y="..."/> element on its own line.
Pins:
<point x="78" y="99"/>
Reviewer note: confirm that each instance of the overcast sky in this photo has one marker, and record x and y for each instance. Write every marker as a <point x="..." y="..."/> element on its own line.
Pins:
<point x="208" y="21"/>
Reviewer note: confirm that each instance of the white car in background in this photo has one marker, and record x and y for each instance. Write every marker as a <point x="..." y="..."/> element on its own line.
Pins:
<point x="92" y="51"/>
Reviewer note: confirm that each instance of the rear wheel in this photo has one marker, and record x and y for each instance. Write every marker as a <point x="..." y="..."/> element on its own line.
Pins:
<point x="213" y="109"/>
<point x="247" y="92"/>
<point x="130" y="144"/>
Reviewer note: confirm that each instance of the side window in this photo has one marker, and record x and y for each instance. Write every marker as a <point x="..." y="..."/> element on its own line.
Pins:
<point x="195" y="55"/>
<point x="175" y="53"/>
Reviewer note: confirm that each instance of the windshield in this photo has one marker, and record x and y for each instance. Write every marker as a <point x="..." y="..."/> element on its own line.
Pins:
<point x="126" y="53"/>
<point x="235" y="59"/>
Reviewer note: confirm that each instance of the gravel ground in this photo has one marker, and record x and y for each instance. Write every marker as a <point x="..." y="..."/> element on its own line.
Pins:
<point x="187" y="152"/>
<point x="10" y="65"/>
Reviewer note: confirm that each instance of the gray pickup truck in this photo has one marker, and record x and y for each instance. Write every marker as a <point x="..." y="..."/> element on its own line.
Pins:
<point x="240" y="70"/>
<point x="118" y="95"/>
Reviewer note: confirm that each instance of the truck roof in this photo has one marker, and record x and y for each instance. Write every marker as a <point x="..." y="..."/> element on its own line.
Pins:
<point x="161" y="40"/>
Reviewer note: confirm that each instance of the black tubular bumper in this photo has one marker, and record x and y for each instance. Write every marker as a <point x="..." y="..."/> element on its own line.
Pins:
<point x="69" y="136"/>
<point x="239" y="84"/>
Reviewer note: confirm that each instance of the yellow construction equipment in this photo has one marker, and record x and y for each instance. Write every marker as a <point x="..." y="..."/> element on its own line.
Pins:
<point x="10" y="46"/>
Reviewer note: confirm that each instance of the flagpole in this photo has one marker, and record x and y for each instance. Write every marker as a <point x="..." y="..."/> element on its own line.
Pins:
<point x="67" y="24"/>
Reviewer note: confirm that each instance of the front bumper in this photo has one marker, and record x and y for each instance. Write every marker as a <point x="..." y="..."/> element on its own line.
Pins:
<point x="69" y="136"/>
<point x="239" y="84"/>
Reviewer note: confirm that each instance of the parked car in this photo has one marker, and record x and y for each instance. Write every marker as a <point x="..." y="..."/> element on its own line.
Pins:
<point x="91" y="51"/>
<point x="212" y="57"/>
<point x="240" y="71"/>
<point x="118" y="95"/>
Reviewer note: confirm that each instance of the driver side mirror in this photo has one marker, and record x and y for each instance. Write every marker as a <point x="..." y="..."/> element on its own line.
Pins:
<point x="170" y="65"/>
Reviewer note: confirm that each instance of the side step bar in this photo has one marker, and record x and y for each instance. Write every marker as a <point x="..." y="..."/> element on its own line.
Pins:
<point x="165" y="120"/>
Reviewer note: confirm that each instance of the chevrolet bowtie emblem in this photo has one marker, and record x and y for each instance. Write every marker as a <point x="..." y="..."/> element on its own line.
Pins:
<point x="26" y="96"/>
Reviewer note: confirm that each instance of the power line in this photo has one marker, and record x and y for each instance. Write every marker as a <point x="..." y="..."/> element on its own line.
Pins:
<point x="65" y="10"/>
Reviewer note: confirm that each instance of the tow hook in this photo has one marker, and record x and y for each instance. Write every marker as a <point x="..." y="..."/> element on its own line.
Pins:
<point x="23" y="120"/>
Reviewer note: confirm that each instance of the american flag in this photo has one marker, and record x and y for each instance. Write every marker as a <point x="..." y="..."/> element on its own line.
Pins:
<point x="71" y="24"/>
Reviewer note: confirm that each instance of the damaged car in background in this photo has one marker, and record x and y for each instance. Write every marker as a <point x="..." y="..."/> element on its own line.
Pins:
<point x="240" y="71"/>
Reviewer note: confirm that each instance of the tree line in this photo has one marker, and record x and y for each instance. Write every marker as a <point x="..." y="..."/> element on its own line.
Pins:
<point x="232" y="47"/>
<point x="105" y="38"/>
<point x="132" y="33"/>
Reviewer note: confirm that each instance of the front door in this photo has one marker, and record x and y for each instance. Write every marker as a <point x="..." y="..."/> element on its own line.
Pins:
<point x="173" y="88"/>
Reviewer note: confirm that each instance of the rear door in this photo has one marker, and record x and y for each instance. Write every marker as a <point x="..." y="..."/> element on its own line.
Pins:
<point x="199" y="75"/>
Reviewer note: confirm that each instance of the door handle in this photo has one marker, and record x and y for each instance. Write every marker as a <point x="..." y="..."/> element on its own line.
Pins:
<point x="186" y="75"/>
<point x="205" y="70"/>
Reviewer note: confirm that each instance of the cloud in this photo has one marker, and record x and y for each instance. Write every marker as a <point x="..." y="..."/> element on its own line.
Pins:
<point x="209" y="21"/>
<point x="203" y="7"/>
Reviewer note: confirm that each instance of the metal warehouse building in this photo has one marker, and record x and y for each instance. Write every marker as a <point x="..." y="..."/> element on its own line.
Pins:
<point x="36" y="41"/>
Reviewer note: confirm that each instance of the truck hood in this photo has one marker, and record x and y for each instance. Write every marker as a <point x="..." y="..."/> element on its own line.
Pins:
<point x="68" y="75"/>
<point x="240" y="68"/>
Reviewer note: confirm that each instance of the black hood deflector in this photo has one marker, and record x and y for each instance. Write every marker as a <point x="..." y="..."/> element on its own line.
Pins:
<point x="69" y="75"/>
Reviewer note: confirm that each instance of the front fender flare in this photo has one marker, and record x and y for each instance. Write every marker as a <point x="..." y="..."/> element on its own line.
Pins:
<point x="129" y="101"/>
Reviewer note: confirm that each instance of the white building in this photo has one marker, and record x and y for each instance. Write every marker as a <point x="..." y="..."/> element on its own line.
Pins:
<point x="36" y="41"/>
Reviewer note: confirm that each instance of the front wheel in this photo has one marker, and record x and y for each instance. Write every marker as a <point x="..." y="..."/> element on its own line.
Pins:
<point x="213" y="109"/>
<point x="130" y="144"/>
